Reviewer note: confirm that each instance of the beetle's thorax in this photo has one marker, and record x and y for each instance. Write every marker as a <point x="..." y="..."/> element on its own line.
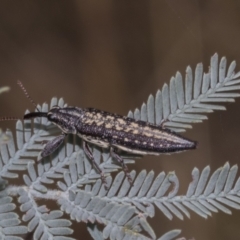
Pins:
<point x="65" y="118"/>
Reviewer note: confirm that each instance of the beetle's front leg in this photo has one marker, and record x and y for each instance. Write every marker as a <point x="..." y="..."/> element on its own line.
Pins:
<point x="162" y="123"/>
<point x="52" y="145"/>
<point x="88" y="152"/>
<point x="115" y="155"/>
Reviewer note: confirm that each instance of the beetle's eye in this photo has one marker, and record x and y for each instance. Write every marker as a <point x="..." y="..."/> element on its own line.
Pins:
<point x="50" y="116"/>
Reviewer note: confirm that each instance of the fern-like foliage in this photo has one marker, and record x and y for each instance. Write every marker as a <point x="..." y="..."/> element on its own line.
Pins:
<point x="3" y="136"/>
<point x="9" y="220"/>
<point x="68" y="177"/>
<point x="179" y="105"/>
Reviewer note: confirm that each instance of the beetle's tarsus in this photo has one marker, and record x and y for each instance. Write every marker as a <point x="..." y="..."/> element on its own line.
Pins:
<point x="44" y="142"/>
<point x="104" y="181"/>
<point x="162" y="123"/>
<point x="130" y="180"/>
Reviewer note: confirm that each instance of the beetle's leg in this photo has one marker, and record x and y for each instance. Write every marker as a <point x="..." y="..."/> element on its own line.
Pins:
<point x="44" y="142"/>
<point x="52" y="145"/>
<point x="115" y="155"/>
<point x="162" y="123"/>
<point x="88" y="152"/>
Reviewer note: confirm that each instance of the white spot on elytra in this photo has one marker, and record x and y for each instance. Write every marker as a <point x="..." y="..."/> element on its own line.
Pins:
<point x="119" y="128"/>
<point x="121" y="121"/>
<point x="108" y="125"/>
<point x="99" y="123"/>
<point x="135" y="125"/>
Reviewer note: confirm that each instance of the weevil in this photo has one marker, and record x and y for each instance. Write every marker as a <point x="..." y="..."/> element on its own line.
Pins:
<point x="111" y="131"/>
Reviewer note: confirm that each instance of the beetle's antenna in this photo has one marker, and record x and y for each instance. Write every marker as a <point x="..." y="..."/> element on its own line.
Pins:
<point x="26" y="94"/>
<point x="8" y="118"/>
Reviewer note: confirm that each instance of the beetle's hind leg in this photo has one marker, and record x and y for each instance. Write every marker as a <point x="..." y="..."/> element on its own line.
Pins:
<point x="115" y="155"/>
<point x="89" y="154"/>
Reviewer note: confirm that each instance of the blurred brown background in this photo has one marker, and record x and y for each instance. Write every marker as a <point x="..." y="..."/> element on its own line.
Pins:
<point x="111" y="55"/>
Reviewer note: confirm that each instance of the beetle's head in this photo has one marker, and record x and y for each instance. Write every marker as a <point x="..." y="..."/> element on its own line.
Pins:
<point x="62" y="118"/>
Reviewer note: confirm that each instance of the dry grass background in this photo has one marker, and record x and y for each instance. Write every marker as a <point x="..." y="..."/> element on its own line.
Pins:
<point x="111" y="55"/>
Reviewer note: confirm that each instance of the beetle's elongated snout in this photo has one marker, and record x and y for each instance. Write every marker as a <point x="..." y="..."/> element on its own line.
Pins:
<point x="34" y="115"/>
